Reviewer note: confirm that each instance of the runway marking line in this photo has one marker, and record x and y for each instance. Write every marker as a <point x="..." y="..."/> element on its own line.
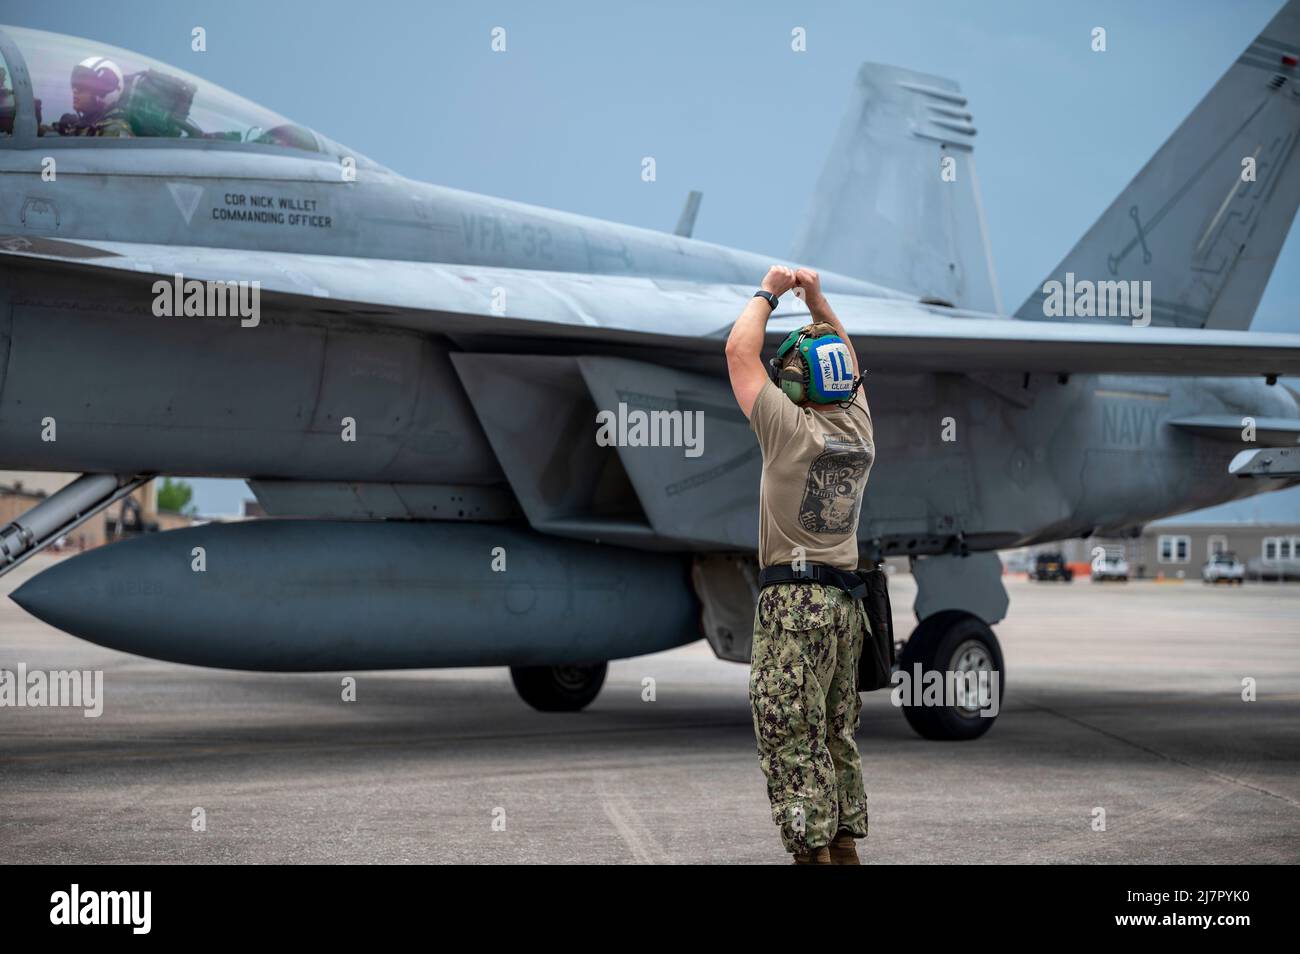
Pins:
<point x="1162" y="755"/>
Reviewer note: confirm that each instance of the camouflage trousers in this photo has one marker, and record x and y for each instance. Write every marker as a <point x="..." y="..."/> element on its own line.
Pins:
<point x="804" y="694"/>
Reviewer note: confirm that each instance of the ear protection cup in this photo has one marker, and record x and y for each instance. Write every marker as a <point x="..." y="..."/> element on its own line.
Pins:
<point x="792" y="385"/>
<point x="781" y="376"/>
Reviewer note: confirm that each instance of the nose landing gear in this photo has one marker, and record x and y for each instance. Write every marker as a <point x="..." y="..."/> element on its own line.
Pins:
<point x="558" y="688"/>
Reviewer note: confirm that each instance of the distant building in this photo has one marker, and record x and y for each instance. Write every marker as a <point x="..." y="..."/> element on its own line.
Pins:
<point x="22" y="490"/>
<point x="1263" y="532"/>
<point x="1178" y="549"/>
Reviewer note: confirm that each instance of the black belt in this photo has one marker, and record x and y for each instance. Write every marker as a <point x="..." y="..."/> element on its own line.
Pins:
<point x="846" y="580"/>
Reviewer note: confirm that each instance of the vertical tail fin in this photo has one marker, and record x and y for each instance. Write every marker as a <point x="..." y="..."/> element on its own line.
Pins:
<point x="897" y="202"/>
<point x="1206" y="217"/>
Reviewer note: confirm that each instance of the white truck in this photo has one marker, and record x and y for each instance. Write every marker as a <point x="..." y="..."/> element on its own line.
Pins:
<point x="1224" y="568"/>
<point x="1109" y="564"/>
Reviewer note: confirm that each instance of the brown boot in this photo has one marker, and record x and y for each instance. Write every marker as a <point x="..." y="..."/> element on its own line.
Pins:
<point x="818" y="856"/>
<point x="843" y="851"/>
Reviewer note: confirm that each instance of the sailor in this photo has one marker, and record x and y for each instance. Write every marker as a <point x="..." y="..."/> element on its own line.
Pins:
<point x="814" y="429"/>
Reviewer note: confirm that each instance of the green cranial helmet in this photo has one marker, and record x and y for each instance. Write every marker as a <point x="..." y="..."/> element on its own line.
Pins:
<point x="814" y="364"/>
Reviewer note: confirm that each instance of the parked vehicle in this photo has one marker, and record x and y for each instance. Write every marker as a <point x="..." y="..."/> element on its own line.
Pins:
<point x="1273" y="571"/>
<point x="1051" y="566"/>
<point x="1017" y="562"/>
<point x="1110" y="565"/>
<point x="1224" y="568"/>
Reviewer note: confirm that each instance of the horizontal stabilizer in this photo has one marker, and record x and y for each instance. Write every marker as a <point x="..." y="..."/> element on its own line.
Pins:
<point x="1235" y="428"/>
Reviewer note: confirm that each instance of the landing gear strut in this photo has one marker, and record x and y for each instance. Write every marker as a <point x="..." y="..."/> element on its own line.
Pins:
<point x="558" y="688"/>
<point x="61" y="513"/>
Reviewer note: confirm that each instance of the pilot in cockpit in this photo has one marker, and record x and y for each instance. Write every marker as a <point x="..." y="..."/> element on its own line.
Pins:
<point x="97" y="85"/>
<point x="8" y="108"/>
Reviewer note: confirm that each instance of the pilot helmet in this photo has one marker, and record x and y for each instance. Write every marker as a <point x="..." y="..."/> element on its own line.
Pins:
<point x="814" y="364"/>
<point x="101" y="77"/>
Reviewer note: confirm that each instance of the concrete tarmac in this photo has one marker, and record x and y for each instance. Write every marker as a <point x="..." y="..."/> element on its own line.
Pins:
<point x="1123" y="697"/>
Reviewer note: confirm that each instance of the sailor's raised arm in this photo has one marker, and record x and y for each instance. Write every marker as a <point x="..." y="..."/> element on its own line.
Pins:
<point x="745" y="343"/>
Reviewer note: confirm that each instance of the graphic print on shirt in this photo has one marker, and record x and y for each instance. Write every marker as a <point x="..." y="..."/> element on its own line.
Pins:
<point x="834" y="487"/>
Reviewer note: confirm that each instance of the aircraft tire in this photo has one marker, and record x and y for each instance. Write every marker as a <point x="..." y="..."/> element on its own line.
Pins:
<point x="558" y="688"/>
<point x="951" y="640"/>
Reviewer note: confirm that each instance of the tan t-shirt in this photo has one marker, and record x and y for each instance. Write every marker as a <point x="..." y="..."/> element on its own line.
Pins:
<point x="815" y="466"/>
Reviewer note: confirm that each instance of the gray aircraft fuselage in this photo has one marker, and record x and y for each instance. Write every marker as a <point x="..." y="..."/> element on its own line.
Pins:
<point x="135" y="394"/>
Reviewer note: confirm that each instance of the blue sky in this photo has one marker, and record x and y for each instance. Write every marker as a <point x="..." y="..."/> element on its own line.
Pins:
<point x="715" y="95"/>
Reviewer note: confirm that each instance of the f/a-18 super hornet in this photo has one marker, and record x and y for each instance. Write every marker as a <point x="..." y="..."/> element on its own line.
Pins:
<point x="489" y="433"/>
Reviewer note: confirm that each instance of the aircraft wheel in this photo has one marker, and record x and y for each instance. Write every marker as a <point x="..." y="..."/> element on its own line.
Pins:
<point x="558" y="688"/>
<point x="952" y="641"/>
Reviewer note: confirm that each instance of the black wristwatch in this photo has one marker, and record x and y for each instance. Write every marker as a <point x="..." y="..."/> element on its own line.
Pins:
<point x="771" y="299"/>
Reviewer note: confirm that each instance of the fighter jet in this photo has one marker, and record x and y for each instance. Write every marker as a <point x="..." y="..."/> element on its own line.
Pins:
<point x="489" y="433"/>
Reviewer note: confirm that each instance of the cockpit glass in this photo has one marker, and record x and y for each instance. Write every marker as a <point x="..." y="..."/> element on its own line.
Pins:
<point x="88" y="89"/>
<point x="8" y="106"/>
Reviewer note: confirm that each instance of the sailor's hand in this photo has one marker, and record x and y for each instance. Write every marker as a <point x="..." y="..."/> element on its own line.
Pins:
<point x="810" y="284"/>
<point x="779" y="280"/>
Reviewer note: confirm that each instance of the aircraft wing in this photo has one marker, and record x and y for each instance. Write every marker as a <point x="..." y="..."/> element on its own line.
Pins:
<point x="633" y="313"/>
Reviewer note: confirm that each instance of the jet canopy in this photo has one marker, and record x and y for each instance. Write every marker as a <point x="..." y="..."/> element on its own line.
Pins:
<point x="82" y="89"/>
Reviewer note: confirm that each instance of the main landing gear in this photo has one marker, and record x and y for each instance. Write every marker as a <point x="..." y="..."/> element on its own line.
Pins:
<point x="952" y="672"/>
<point x="959" y="690"/>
